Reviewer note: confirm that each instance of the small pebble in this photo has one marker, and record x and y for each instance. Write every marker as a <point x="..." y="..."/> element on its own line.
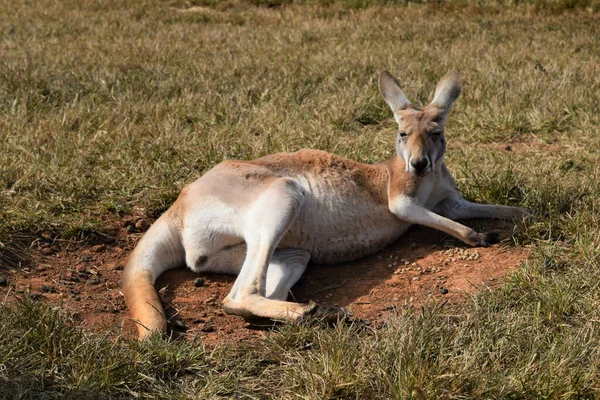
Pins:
<point x="198" y="282"/>
<point x="142" y="225"/>
<point x="35" y="296"/>
<point x="444" y="290"/>
<point x="47" y="289"/>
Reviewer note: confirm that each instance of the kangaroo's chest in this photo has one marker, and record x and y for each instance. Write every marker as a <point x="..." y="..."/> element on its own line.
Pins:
<point x="431" y="190"/>
<point x="340" y="222"/>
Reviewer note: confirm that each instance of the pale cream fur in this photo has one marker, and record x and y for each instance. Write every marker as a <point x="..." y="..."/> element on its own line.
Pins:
<point x="262" y="220"/>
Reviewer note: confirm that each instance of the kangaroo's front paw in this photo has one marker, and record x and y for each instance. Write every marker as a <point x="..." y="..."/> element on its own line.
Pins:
<point x="483" y="239"/>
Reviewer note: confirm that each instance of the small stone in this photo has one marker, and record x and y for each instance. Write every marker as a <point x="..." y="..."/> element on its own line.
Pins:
<point x="35" y="296"/>
<point x="142" y="225"/>
<point x="198" y="282"/>
<point x="3" y="281"/>
<point x="131" y="228"/>
<point x="416" y="278"/>
<point x="48" y="289"/>
<point x="390" y="265"/>
<point x="444" y="290"/>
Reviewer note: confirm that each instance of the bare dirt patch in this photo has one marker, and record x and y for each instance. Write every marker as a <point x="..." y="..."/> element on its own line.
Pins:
<point x="423" y="266"/>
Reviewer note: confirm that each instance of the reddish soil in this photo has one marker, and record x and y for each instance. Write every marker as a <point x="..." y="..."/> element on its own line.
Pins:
<point x="424" y="265"/>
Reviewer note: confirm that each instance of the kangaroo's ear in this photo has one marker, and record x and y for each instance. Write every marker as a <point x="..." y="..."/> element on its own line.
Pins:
<point x="392" y="93"/>
<point x="447" y="91"/>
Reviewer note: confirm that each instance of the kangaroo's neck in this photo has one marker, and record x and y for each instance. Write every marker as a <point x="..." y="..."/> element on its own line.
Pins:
<point x="401" y="182"/>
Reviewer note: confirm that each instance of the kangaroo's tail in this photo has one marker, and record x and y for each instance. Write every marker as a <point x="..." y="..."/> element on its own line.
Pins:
<point x="159" y="249"/>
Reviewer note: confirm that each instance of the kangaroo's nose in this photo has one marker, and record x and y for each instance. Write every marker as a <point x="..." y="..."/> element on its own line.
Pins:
<point x="419" y="164"/>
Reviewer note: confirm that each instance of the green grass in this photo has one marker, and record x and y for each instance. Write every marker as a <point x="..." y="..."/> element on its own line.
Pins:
<point x="107" y="106"/>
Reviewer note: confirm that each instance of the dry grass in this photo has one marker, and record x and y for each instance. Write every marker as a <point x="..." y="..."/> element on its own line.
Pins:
<point x="106" y="106"/>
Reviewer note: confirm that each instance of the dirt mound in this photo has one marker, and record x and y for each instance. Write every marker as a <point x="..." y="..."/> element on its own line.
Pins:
<point x="422" y="266"/>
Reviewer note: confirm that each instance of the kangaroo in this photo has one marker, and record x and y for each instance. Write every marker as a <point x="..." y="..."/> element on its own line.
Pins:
<point x="264" y="219"/>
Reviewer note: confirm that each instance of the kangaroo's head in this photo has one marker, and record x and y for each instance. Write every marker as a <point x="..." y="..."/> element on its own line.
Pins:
<point x="420" y="140"/>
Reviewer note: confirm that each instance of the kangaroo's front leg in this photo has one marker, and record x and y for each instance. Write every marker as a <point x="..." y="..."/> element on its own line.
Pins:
<point x="408" y="209"/>
<point x="458" y="208"/>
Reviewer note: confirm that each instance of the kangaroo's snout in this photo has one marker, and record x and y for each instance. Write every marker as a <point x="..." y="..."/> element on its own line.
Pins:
<point x="419" y="164"/>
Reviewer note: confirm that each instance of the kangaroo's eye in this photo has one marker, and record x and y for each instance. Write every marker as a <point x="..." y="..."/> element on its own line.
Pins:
<point x="402" y="134"/>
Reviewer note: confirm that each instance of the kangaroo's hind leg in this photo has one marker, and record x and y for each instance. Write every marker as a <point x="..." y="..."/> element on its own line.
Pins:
<point x="265" y="222"/>
<point x="285" y="269"/>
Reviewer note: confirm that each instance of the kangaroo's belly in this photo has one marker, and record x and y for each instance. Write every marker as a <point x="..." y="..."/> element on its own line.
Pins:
<point x="339" y="225"/>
